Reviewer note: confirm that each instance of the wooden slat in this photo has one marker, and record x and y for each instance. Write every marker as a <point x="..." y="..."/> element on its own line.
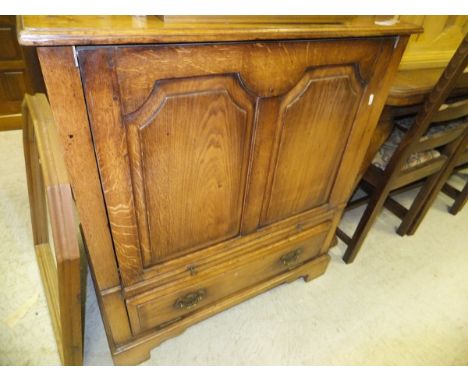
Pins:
<point x="450" y="191"/>
<point x="440" y="139"/>
<point x="413" y="174"/>
<point x="373" y="176"/>
<point x="396" y="208"/>
<point x="365" y="199"/>
<point x="451" y="111"/>
<point x="357" y="203"/>
<point x="343" y="236"/>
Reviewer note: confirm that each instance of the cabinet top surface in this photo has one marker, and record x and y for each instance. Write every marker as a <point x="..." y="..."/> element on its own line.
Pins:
<point x="86" y="30"/>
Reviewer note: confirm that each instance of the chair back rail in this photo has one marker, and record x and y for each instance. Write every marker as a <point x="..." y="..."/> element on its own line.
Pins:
<point x="412" y="140"/>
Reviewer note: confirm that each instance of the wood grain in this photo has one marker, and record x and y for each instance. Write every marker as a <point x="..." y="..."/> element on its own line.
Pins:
<point x="190" y="146"/>
<point x="156" y="308"/>
<point x="84" y="30"/>
<point x="69" y="112"/>
<point x="225" y="251"/>
<point x="310" y="115"/>
<point x="203" y="129"/>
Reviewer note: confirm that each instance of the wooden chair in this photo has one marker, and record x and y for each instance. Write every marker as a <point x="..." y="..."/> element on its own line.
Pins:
<point x="51" y="203"/>
<point x="379" y="183"/>
<point x="458" y="162"/>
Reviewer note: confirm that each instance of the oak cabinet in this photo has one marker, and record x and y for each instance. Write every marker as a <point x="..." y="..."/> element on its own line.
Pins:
<point x="208" y="172"/>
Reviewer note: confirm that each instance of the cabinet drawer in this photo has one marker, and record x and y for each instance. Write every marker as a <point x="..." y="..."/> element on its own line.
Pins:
<point x="176" y="300"/>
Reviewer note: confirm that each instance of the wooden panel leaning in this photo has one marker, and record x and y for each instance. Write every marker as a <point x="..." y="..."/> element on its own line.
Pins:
<point x="379" y="182"/>
<point x="50" y="197"/>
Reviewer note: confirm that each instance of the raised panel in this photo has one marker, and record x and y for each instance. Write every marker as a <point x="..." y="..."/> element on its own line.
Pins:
<point x="314" y="122"/>
<point x="189" y="150"/>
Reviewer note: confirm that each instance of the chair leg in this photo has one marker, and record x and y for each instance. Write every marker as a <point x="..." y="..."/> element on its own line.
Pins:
<point x="368" y="218"/>
<point x="438" y="180"/>
<point x="422" y="201"/>
<point x="422" y="206"/>
<point x="460" y="200"/>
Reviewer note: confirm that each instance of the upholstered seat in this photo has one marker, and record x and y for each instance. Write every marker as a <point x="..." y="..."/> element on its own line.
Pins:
<point x="386" y="151"/>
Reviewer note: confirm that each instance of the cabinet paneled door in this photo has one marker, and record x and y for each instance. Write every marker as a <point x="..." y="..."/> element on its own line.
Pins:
<point x="194" y="152"/>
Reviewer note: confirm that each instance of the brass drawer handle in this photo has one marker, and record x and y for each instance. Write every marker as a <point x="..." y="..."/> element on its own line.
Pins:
<point x="190" y="300"/>
<point x="290" y="258"/>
